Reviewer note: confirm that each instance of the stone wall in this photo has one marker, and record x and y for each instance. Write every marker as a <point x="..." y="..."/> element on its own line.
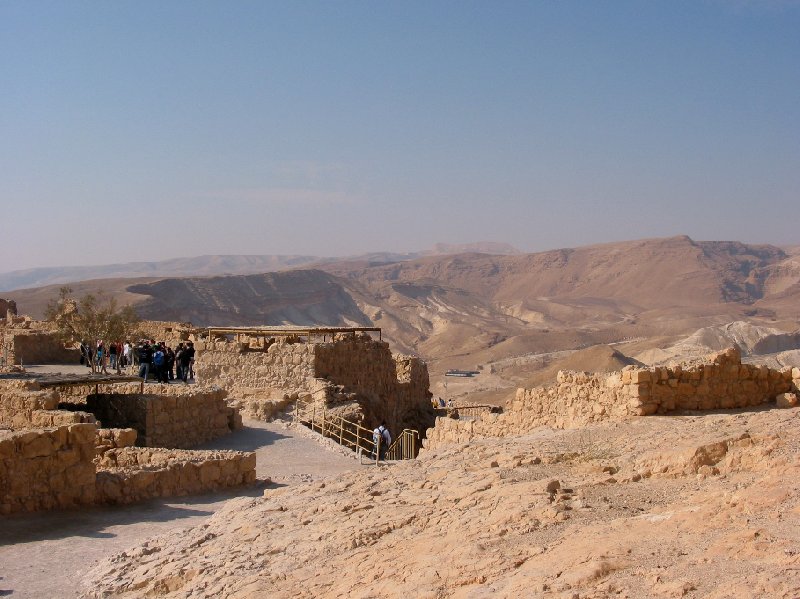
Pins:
<point x="170" y="333"/>
<point x="720" y="381"/>
<point x="114" y="438"/>
<point x="135" y="474"/>
<point x="75" y="465"/>
<point x="23" y="405"/>
<point x="30" y="346"/>
<point x="246" y="372"/>
<point x="355" y="372"/>
<point x="179" y="420"/>
<point x="47" y="469"/>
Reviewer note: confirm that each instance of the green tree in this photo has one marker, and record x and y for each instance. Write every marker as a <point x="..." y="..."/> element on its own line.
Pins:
<point x="90" y="319"/>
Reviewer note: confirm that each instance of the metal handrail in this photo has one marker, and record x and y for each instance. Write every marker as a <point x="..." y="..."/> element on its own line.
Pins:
<point x="354" y="436"/>
<point x="405" y="446"/>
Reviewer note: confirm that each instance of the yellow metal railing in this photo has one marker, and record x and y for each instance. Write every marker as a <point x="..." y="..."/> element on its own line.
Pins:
<point x="405" y="447"/>
<point x="352" y="435"/>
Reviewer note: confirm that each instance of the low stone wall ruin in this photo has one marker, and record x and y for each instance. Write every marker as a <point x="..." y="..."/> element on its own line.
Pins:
<point x="23" y="404"/>
<point x="720" y="381"/>
<point x="48" y="455"/>
<point x="180" y="420"/>
<point x="134" y="474"/>
<point x="47" y="469"/>
<point x="24" y="346"/>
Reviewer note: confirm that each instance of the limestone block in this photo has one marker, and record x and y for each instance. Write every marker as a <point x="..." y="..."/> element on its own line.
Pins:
<point x="786" y="400"/>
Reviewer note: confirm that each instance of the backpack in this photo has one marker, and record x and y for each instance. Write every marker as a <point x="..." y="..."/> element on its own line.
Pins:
<point x="158" y="358"/>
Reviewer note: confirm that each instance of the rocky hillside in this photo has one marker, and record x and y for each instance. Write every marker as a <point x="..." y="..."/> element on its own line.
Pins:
<point x="698" y="506"/>
<point x="302" y="297"/>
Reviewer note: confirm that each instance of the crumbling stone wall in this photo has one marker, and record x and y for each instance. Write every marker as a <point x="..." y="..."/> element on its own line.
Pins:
<point x="135" y="474"/>
<point x="29" y="346"/>
<point x="47" y="469"/>
<point x="352" y="372"/>
<point x="23" y="404"/>
<point x="244" y="372"/>
<point x="720" y="381"/>
<point x="52" y="467"/>
<point x="170" y="333"/>
<point x="114" y="438"/>
<point x="171" y="421"/>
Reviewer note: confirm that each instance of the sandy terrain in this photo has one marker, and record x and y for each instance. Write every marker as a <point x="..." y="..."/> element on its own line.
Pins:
<point x="48" y="555"/>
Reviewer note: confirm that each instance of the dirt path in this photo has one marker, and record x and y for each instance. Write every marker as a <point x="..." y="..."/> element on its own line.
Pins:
<point x="47" y="554"/>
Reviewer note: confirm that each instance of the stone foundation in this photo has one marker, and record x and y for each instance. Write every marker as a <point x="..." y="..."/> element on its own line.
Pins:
<point x="171" y="421"/>
<point x="75" y="465"/>
<point x="23" y="405"/>
<point x="720" y="381"/>
<point x="135" y="474"/>
<point x="47" y="469"/>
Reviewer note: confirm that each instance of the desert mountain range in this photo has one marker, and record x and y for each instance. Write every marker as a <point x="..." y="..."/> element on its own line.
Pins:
<point x="511" y="315"/>
<point x="220" y="265"/>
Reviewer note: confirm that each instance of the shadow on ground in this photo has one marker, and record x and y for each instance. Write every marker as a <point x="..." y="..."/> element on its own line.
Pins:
<point x="251" y="437"/>
<point x="93" y="522"/>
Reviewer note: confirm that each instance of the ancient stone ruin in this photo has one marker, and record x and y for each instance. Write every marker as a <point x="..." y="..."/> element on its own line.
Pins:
<point x="59" y="448"/>
<point x="122" y="441"/>
<point x="348" y="372"/>
<point x="577" y="399"/>
<point x="24" y="340"/>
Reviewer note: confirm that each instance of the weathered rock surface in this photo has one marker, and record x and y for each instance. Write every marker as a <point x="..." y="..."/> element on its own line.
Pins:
<point x="696" y="506"/>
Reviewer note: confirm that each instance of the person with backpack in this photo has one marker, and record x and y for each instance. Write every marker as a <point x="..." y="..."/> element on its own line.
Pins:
<point x="159" y="363"/>
<point x="382" y="439"/>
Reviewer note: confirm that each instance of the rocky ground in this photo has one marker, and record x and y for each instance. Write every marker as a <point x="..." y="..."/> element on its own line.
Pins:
<point x="692" y="505"/>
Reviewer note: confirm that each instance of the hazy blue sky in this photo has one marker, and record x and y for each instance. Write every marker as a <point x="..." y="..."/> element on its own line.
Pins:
<point x="147" y="130"/>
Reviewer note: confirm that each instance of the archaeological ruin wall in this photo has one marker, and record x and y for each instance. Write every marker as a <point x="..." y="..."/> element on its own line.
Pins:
<point x="172" y="421"/>
<point x="53" y="458"/>
<point x="577" y="399"/>
<point x="134" y="474"/>
<point x="34" y="346"/>
<point x="24" y="404"/>
<point x="8" y="310"/>
<point x="47" y="468"/>
<point x="354" y="373"/>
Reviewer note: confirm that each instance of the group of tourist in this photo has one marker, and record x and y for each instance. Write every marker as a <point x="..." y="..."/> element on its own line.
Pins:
<point x="164" y="363"/>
